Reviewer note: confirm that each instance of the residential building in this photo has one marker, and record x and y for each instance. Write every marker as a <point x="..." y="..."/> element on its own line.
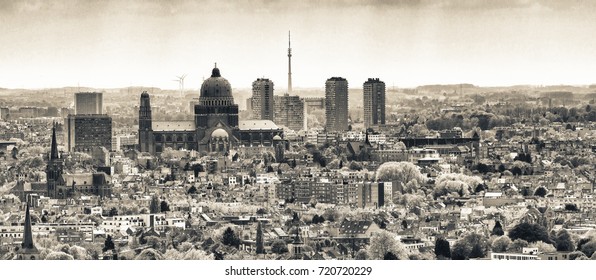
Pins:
<point x="336" y="104"/>
<point x="289" y="111"/>
<point x="374" y="102"/>
<point x="262" y="99"/>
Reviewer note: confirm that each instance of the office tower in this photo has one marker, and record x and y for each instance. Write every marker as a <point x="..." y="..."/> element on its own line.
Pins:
<point x="289" y="111"/>
<point x="262" y="99"/>
<point x="85" y="132"/>
<point x="374" y="102"/>
<point x="336" y="104"/>
<point x="88" y="103"/>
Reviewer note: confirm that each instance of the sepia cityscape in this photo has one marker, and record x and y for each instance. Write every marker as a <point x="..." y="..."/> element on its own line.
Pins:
<point x="374" y="160"/>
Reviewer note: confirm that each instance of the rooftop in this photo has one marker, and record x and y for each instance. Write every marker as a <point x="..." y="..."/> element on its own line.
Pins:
<point x="173" y="126"/>
<point x="257" y="125"/>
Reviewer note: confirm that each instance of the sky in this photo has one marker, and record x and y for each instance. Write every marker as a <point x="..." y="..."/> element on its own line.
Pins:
<point x="110" y="44"/>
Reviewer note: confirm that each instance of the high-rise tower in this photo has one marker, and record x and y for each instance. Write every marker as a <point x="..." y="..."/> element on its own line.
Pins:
<point x="289" y="64"/>
<point x="88" y="103"/>
<point x="336" y="104"/>
<point x="374" y="102"/>
<point x="289" y="111"/>
<point x="262" y="99"/>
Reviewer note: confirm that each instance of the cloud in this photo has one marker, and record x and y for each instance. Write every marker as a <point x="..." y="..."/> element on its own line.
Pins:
<point x="181" y="7"/>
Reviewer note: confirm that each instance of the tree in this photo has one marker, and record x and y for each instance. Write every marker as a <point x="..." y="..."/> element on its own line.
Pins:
<point x="154" y="205"/>
<point x="517" y="245"/>
<point x="14" y="152"/>
<point x="295" y="218"/>
<point x="383" y="243"/>
<point x="577" y="255"/>
<point x="564" y="241"/>
<point x="472" y="245"/>
<point x="390" y="256"/>
<point x="442" y="249"/>
<point x="113" y="212"/>
<point x="540" y="191"/>
<point x="149" y="254"/>
<point x="501" y="244"/>
<point x="497" y="229"/>
<point x="192" y="190"/>
<point x="230" y="238"/>
<point x="78" y="253"/>
<point x="571" y="207"/>
<point x="529" y="232"/>
<point x="589" y="248"/>
<point x="543" y="247"/>
<point x="108" y="244"/>
<point x="164" y="206"/>
<point x="361" y="255"/>
<point x="260" y="247"/>
<point x="279" y="246"/>
<point x="356" y="166"/>
<point x="59" y="256"/>
<point x="460" y="251"/>
<point x="400" y="172"/>
<point x="455" y="183"/>
<point x="315" y="219"/>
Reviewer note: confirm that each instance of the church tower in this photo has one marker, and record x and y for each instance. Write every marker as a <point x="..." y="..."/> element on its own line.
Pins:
<point x="54" y="170"/>
<point x="145" y="125"/>
<point x="28" y="251"/>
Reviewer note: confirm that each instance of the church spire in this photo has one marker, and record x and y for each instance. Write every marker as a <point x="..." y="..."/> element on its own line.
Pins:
<point x="27" y="235"/>
<point x="54" y="151"/>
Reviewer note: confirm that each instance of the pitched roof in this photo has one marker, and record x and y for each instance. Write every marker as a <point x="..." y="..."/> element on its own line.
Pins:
<point x="354" y="227"/>
<point x="257" y="125"/>
<point x="173" y="126"/>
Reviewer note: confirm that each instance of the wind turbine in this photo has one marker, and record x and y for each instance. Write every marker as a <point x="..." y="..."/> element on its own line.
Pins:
<point x="180" y="81"/>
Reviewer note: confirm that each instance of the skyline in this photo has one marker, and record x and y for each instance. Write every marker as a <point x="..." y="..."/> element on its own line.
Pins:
<point x="405" y="44"/>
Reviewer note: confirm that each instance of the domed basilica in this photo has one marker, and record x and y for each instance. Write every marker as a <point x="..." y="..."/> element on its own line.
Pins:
<point x="215" y="127"/>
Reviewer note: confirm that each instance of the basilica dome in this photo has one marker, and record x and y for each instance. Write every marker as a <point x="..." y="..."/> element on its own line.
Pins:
<point x="216" y="90"/>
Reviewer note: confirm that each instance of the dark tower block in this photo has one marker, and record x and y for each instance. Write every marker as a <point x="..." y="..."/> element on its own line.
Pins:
<point x="54" y="170"/>
<point x="374" y="102"/>
<point x="336" y="104"/>
<point x="145" y="125"/>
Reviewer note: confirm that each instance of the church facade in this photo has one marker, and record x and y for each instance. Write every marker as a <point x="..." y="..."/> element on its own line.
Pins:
<point x="215" y="127"/>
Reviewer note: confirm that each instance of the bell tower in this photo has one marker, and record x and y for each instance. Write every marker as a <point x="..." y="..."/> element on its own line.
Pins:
<point x="54" y="169"/>
<point x="145" y="125"/>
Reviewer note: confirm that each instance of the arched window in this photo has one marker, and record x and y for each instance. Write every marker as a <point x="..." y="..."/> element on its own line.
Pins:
<point x="180" y="138"/>
<point x="189" y="138"/>
<point x="158" y="138"/>
<point x="168" y="138"/>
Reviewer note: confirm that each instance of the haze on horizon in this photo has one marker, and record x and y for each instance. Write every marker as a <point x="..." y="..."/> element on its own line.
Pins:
<point x="109" y="44"/>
